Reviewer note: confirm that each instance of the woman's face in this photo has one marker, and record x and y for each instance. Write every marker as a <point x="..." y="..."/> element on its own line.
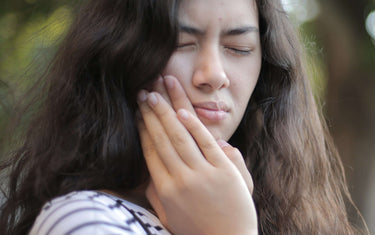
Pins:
<point x="218" y="60"/>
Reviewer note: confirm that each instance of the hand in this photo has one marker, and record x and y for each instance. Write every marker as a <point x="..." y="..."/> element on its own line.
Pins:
<point x="171" y="90"/>
<point x="200" y="189"/>
<point x="232" y="153"/>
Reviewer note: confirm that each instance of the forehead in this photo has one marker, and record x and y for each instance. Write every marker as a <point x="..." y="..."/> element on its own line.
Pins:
<point x="223" y="11"/>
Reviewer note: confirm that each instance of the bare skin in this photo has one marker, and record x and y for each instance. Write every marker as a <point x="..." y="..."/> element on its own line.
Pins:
<point x="199" y="185"/>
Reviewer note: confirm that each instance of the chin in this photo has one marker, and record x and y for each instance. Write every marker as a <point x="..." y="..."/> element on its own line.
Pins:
<point x="217" y="134"/>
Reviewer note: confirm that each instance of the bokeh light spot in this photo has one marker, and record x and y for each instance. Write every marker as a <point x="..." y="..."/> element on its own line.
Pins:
<point x="301" y="10"/>
<point x="370" y="24"/>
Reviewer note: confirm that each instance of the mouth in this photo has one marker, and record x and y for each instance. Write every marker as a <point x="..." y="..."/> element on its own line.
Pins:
<point x="212" y="111"/>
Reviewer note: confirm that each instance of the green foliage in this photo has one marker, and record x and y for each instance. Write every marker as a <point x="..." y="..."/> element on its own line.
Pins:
<point x="29" y="33"/>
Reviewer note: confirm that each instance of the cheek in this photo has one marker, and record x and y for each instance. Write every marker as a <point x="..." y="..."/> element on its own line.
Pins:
<point x="243" y="83"/>
<point x="179" y="66"/>
<point x="242" y="86"/>
<point x="241" y="94"/>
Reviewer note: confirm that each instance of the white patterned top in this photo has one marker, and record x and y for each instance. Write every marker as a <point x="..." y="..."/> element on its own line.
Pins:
<point x="92" y="212"/>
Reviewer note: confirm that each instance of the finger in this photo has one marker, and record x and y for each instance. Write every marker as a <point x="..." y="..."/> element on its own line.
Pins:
<point x="235" y="156"/>
<point x="159" y="87"/>
<point x="153" y="198"/>
<point x="155" y="165"/>
<point x="180" y="138"/>
<point x="178" y="95"/>
<point x="203" y="138"/>
<point x="159" y="137"/>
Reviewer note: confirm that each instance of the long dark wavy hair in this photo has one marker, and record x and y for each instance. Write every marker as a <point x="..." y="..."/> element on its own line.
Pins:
<point x="84" y="134"/>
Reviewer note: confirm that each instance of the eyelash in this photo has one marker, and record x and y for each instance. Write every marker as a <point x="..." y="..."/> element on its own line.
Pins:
<point x="232" y="49"/>
<point x="185" y="45"/>
<point x="238" y="51"/>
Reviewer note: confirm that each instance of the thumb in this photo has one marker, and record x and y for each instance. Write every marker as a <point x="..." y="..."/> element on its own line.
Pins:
<point x="236" y="158"/>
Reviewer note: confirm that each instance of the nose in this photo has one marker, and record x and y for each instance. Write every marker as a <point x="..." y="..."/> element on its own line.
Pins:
<point x="209" y="71"/>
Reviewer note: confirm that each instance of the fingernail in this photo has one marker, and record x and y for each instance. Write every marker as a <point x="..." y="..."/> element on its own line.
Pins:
<point x="183" y="114"/>
<point x="222" y="143"/>
<point x="153" y="100"/>
<point x="169" y="82"/>
<point x="142" y="95"/>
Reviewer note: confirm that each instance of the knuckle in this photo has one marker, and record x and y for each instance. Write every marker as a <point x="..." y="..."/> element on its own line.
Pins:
<point x="178" y="139"/>
<point x="185" y="182"/>
<point x="234" y="155"/>
<point x="159" y="138"/>
<point x="208" y="145"/>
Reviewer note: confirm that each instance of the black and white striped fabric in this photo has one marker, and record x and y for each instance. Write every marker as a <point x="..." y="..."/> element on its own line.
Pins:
<point x="91" y="212"/>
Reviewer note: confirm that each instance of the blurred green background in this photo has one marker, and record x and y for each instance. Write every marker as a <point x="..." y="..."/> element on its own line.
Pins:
<point x="339" y="36"/>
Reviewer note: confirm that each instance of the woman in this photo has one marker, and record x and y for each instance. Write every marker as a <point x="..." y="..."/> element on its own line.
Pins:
<point x="230" y="72"/>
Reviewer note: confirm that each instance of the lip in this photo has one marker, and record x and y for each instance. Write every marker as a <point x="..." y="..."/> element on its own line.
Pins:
<point x="212" y="111"/>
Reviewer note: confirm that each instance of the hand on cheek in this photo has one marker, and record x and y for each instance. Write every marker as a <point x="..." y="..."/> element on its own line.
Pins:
<point x="172" y="91"/>
<point x="159" y="86"/>
<point x="196" y="188"/>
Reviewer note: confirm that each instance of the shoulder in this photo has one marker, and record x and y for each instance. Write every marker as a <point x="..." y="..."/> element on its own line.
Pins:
<point x="91" y="212"/>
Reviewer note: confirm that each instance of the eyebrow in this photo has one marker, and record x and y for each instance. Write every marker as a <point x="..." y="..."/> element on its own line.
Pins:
<point x="231" y="32"/>
<point x="190" y="30"/>
<point x="240" y="30"/>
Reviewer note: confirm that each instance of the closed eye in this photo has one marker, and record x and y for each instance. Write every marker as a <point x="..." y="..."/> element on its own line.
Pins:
<point x="238" y="51"/>
<point x="185" y="46"/>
